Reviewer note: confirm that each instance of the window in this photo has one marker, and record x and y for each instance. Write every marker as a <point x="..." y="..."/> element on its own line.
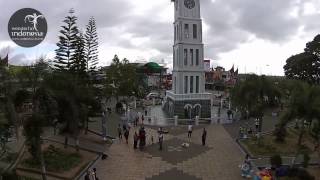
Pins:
<point x="195" y="31"/>
<point x="191" y="56"/>
<point x="175" y="32"/>
<point x="175" y="84"/>
<point x="174" y="57"/>
<point x="186" y="30"/>
<point x="191" y="84"/>
<point x="186" y="84"/>
<point x="197" y="84"/>
<point x="185" y="57"/>
<point x="197" y="57"/>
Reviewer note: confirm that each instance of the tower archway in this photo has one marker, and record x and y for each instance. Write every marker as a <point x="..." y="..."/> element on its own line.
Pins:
<point x="188" y="111"/>
<point x="197" y="110"/>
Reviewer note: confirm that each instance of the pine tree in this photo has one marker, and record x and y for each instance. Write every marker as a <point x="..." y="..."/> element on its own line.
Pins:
<point x="78" y="58"/>
<point x="91" y="45"/>
<point x="67" y="43"/>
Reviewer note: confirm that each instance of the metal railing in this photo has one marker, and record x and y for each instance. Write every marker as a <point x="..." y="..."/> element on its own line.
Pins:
<point x="200" y="96"/>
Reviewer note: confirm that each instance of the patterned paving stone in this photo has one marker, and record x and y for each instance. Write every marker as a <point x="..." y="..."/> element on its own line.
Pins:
<point x="173" y="174"/>
<point x="174" y="153"/>
<point x="175" y="131"/>
<point x="218" y="160"/>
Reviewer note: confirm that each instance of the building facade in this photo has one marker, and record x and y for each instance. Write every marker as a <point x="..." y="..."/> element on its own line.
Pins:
<point x="219" y="79"/>
<point x="188" y="98"/>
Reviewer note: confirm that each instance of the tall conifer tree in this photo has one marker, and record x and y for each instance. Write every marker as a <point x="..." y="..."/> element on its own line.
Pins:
<point x="67" y="43"/>
<point x="78" y="59"/>
<point x="91" y="45"/>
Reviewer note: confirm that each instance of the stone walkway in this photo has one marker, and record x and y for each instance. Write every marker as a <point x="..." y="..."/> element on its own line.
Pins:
<point x="218" y="160"/>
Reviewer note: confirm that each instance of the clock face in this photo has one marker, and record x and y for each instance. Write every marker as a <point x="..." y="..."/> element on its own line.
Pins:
<point x="189" y="3"/>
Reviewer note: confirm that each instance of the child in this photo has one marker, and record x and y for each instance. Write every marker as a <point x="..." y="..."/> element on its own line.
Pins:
<point x="246" y="168"/>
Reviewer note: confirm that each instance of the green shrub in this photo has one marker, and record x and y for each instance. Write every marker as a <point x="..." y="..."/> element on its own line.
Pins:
<point x="306" y="159"/>
<point x="300" y="174"/>
<point x="276" y="161"/>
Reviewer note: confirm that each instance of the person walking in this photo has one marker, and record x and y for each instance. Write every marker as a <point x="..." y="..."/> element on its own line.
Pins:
<point x="120" y="132"/>
<point x="189" y="130"/>
<point x="135" y="140"/>
<point x="257" y="123"/>
<point x="136" y="121"/>
<point x="87" y="176"/>
<point x="160" y="141"/>
<point x="126" y="135"/>
<point x="142" y="138"/>
<point x="204" y="136"/>
<point x="142" y="119"/>
<point x="94" y="174"/>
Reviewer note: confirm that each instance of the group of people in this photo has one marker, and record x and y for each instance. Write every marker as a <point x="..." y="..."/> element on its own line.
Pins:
<point x="203" y="136"/>
<point x="125" y="130"/>
<point x="91" y="174"/>
<point x="139" y="138"/>
<point x="247" y="130"/>
<point x="247" y="171"/>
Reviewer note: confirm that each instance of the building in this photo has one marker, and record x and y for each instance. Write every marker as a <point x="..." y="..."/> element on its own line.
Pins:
<point x="188" y="98"/>
<point x="151" y="75"/>
<point x="220" y="79"/>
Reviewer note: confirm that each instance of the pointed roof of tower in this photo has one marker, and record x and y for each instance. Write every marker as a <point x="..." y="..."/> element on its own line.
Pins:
<point x="232" y="69"/>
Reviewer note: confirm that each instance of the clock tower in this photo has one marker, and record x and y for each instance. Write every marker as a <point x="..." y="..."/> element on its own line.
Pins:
<point x="188" y="98"/>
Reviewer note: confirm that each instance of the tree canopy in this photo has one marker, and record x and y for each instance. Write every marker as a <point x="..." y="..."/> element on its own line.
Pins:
<point x="254" y="94"/>
<point x="306" y="65"/>
<point x="121" y="78"/>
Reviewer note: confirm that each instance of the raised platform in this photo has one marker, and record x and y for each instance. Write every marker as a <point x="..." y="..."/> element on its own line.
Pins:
<point x="188" y="105"/>
<point x="180" y="97"/>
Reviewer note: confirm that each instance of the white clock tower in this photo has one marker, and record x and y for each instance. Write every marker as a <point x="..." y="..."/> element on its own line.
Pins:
<point x="188" y="98"/>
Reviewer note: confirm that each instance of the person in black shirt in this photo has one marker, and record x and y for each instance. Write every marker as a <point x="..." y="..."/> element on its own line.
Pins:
<point x="204" y="136"/>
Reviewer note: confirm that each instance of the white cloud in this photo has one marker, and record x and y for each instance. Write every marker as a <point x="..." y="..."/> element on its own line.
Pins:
<point x="248" y="33"/>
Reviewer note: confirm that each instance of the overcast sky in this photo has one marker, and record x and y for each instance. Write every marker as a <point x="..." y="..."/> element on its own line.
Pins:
<point x="254" y="35"/>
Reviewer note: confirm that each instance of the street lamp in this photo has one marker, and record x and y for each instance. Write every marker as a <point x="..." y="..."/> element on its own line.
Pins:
<point x="104" y="122"/>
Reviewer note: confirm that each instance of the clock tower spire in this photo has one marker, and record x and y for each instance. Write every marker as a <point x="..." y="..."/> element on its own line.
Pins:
<point x="188" y="98"/>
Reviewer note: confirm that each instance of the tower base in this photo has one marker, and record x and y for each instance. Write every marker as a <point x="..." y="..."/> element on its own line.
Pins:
<point x="187" y="106"/>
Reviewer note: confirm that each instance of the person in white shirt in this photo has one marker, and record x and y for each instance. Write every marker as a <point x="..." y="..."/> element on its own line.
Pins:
<point x="189" y="130"/>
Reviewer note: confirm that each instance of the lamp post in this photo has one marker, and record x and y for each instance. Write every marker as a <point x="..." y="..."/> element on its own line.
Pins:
<point x="104" y="122"/>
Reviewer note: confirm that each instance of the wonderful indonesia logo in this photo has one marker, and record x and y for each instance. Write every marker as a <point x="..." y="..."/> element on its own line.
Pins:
<point x="27" y="27"/>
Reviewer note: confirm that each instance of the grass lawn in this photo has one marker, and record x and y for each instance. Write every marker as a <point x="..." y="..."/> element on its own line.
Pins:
<point x="2" y="119"/>
<point x="269" y="147"/>
<point x="56" y="160"/>
<point x="60" y="162"/>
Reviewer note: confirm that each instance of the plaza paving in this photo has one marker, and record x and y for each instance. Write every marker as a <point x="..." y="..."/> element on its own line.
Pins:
<point x="218" y="160"/>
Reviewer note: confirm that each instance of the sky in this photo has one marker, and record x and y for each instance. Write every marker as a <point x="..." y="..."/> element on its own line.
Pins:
<point x="253" y="35"/>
